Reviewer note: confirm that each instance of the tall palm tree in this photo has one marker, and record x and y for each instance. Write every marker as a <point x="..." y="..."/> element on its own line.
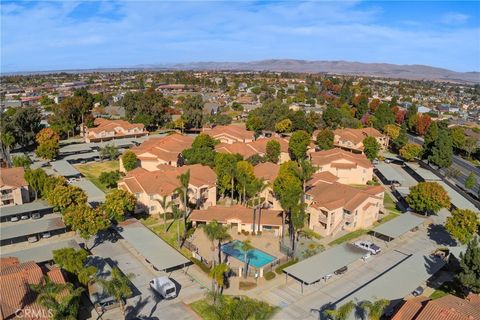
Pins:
<point x="211" y="230"/>
<point x="118" y="286"/>
<point x="258" y="186"/>
<point x="222" y="236"/>
<point x="245" y="246"/>
<point x="177" y="215"/>
<point x="184" y="183"/>
<point x="218" y="276"/>
<point x="375" y="309"/>
<point x="59" y="298"/>
<point x="8" y="140"/>
<point x="165" y="206"/>
<point x="341" y="313"/>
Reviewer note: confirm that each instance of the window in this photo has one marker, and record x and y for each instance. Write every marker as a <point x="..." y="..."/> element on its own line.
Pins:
<point x="152" y="197"/>
<point x="137" y="195"/>
<point x="152" y="208"/>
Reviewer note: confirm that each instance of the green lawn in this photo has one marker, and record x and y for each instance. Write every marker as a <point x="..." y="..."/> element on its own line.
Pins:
<point x="349" y="236"/>
<point x="438" y="294"/>
<point x="92" y="171"/>
<point x="201" y="308"/>
<point x="389" y="204"/>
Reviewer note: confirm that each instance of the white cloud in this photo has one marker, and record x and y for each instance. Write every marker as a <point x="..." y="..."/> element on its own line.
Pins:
<point x="454" y="18"/>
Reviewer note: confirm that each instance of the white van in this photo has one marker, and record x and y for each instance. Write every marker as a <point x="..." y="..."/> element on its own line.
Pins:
<point x="165" y="287"/>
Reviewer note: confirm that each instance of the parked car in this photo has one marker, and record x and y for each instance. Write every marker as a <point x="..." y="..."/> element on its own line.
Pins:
<point x="388" y="160"/>
<point x="25" y="217"/>
<point x="417" y="292"/>
<point x="342" y="270"/>
<point x="14" y="219"/>
<point x="36" y="215"/>
<point x="369" y="246"/>
<point x="164" y="286"/>
<point x="46" y="235"/>
<point x="32" y="239"/>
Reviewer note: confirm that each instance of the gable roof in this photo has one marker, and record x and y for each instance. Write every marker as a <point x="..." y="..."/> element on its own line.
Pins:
<point x="243" y="149"/>
<point x="336" y="195"/>
<point x="234" y="131"/>
<point x="237" y="212"/>
<point x="260" y="145"/>
<point x="12" y="177"/>
<point x="165" y="180"/>
<point x="109" y="125"/>
<point x="165" y="148"/>
<point x="340" y="158"/>
<point x="268" y="171"/>
<point x="356" y="135"/>
<point x="450" y="307"/>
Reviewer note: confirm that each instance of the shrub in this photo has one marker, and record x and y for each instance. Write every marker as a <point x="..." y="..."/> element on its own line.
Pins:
<point x="246" y="285"/>
<point x="279" y="269"/>
<point x="201" y="265"/>
<point x="269" y="275"/>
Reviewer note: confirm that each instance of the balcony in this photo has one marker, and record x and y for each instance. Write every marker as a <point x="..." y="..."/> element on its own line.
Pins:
<point x="322" y="218"/>
<point x="349" y="218"/>
<point x="7" y="196"/>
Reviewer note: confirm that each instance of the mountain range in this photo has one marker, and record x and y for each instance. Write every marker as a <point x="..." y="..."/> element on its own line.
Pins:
<point x="412" y="72"/>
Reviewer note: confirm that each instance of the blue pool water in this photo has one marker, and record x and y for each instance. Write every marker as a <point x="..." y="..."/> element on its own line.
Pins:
<point x="255" y="257"/>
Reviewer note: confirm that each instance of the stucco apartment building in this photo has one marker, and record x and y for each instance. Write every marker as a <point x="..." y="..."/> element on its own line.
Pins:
<point x="352" y="139"/>
<point x="161" y="151"/>
<point x="13" y="187"/>
<point x="268" y="171"/>
<point x="334" y="206"/>
<point x="350" y="168"/>
<point x="241" y="218"/>
<point x="246" y="150"/>
<point x="105" y="130"/>
<point x="149" y="187"/>
<point x="230" y="134"/>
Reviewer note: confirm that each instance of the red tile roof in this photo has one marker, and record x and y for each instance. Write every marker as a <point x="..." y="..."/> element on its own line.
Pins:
<point x="356" y="135"/>
<point x="12" y="177"/>
<point x="166" y="148"/>
<point x="234" y="131"/>
<point x="243" y="214"/>
<point x="268" y="171"/>
<point x="337" y="157"/>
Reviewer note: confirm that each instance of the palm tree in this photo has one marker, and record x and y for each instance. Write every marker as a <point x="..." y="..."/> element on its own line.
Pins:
<point x="258" y="186"/>
<point x="183" y="190"/>
<point x="165" y="206"/>
<point x="7" y="140"/>
<point x="211" y="230"/>
<point x="245" y="246"/>
<point x="375" y="309"/>
<point x="59" y="298"/>
<point x="177" y="215"/>
<point x="118" y="286"/>
<point x="218" y="276"/>
<point x="222" y="236"/>
<point x="341" y="313"/>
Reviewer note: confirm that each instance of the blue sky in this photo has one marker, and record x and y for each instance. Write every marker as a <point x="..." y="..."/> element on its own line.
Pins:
<point x="40" y="35"/>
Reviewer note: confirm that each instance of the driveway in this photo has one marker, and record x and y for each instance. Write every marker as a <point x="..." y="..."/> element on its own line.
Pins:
<point x="145" y="302"/>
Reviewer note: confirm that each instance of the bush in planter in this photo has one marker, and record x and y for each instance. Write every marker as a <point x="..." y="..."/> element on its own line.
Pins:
<point x="269" y="275"/>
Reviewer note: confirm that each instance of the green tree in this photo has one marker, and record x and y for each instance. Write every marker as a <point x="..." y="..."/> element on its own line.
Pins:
<point x="109" y="178"/>
<point x="48" y="144"/>
<point x="375" y="309"/>
<point x="85" y="220"/>
<point x="216" y="231"/>
<point x="245" y="247"/>
<point x="25" y="124"/>
<point x="341" y="313"/>
<point x="73" y="261"/>
<point x="392" y="131"/>
<point x="117" y="203"/>
<point x="458" y="137"/>
<point x="193" y="111"/>
<point x="283" y="126"/>
<point x="273" y="151"/>
<point x="470" y="146"/>
<point x="8" y="140"/>
<point x="118" y="286"/>
<point x="165" y="204"/>
<point x="410" y="151"/>
<point x="217" y="273"/>
<point x="325" y="139"/>
<point x="471" y="181"/>
<point x="129" y="160"/>
<point x="428" y="197"/>
<point x="469" y="276"/>
<point x="462" y="225"/>
<point x="183" y="190"/>
<point x="383" y="115"/>
<point x="226" y="168"/>
<point x="202" y="151"/>
<point x="298" y="144"/>
<point x="245" y="178"/>
<point x="332" y="117"/>
<point x="371" y="148"/>
<point x="109" y="152"/>
<point x="22" y="161"/>
<point x="402" y="138"/>
<point x="59" y="298"/>
<point x="64" y="197"/>
<point x="36" y="180"/>
<point x="442" y="150"/>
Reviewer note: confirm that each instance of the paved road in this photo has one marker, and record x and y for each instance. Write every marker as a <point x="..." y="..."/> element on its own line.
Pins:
<point x="145" y="301"/>
<point x="379" y="269"/>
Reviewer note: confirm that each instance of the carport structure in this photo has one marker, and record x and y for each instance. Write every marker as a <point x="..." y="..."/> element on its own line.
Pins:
<point x="398" y="226"/>
<point x="388" y="173"/>
<point x="323" y="264"/>
<point x="153" y="248"/>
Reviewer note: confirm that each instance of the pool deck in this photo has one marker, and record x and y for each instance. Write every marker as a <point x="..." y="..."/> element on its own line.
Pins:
<point x="255" y="257"/>
<point x="266" y="242"/>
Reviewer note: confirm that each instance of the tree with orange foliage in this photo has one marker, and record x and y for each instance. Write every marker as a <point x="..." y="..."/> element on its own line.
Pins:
<point x="423" y="123"/>
<point x="374" y="104"/>
<point x="400" y="116"/>
<point x="48" y="144"/>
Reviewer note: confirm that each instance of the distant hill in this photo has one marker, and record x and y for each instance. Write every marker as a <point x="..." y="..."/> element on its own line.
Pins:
<point x="414" y="72"/>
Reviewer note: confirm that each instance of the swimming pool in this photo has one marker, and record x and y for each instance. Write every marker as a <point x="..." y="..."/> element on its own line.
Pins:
<point x="255" y="257"/>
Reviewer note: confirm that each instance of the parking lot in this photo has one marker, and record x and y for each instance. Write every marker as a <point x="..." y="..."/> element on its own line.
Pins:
<point x="145" y="302"/>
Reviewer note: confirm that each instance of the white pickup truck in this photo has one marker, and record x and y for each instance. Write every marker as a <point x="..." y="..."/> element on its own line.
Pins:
<point x="165" y="287"/>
